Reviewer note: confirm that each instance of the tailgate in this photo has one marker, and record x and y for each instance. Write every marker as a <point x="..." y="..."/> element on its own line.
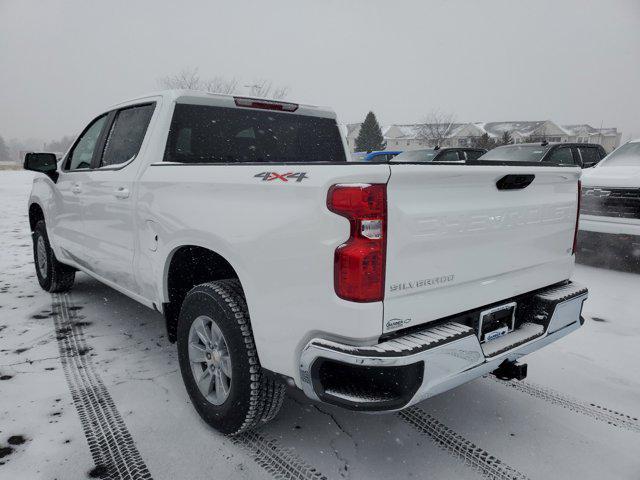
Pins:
<point x="456" y="242"/>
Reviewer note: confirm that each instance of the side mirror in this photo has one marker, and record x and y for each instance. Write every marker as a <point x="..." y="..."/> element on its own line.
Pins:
<point x="589" y="164"/>
<point x="42" y="162"/>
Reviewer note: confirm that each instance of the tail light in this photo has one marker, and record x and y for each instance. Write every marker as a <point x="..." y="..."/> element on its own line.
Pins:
<point x="359" y="262"/>
<point x="575" y="233"/>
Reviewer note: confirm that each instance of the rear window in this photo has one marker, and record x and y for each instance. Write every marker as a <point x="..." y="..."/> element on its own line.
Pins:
<point x="516" y="153"/>
<point x="628" y="155"/>
<point x="205" y="134"/>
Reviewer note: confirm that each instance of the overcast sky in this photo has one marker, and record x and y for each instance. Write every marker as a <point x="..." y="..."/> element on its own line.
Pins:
<point x="573" y="61"/>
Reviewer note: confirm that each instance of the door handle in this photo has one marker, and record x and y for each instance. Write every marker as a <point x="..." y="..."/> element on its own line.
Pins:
<point x="121" y="192"/>
<point x="76" y="188"/>
<point x="514" y="182"/>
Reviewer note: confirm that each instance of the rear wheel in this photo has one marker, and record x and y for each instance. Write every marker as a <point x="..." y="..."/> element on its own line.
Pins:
<point x="53" y="276"/>
<point x="219" y="362"/>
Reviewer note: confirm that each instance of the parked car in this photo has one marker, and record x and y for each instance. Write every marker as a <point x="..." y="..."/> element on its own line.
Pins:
<point x="585" y="155"/>
<point x="610" y="211"/>
<point x="274" y="261"/>
<point x="381" y="155"/>
<point x="376" y="156"/>
<point x="450" y="155"/>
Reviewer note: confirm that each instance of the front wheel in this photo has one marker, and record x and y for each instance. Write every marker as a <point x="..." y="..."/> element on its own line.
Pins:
<point x="53" y="276"/>
<point x="219" y="362"/>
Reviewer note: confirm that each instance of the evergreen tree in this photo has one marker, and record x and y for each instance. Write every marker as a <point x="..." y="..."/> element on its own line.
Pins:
<point x="506" y="138"/>
<point x="370" y="137"/>
<point x="5" y="153"/>
<point x="484" y="141"/>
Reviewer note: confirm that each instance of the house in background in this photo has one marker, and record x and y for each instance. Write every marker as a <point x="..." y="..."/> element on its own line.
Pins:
<point x="407" y="136"/>
<point x="526" y="132"/>
<point x="609" y="138"/>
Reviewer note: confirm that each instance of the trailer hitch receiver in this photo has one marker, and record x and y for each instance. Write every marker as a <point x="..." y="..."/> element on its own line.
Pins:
<point x="509" y="370"/>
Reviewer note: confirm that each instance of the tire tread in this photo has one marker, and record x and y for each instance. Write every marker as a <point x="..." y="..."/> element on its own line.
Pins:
<point x="266" y="393"/>
<point x="61" y="276"/>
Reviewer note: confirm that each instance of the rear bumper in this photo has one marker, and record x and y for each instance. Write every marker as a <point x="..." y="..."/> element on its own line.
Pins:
<point x="404" y="370"/>
<point x="610" y="225"/>
<point x="609" y="243"/>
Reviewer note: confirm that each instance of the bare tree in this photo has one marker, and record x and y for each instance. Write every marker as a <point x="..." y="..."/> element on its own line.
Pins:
<point x="435" y="127"/>
<point x="264" y="88"/>
<point x="190" y="79"/>
<point x="221" y="85"/>
<point x="280" y="92"/>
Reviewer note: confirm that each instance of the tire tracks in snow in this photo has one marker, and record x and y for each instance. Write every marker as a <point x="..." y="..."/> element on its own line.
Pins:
<point x="112" y="447"/>
<point x="474" y="456"/>
<point x="592" y="410"/>
<point x="278" y="461"/>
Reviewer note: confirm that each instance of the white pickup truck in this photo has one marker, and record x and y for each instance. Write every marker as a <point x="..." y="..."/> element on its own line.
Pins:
<point x="610" y="213"/>
<point x="274" y="261"/>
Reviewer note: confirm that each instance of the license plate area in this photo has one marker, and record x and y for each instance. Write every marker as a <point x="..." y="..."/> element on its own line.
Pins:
<point x="496" y="322"/>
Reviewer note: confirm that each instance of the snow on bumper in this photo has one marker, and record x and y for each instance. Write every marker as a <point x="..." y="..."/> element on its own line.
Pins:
<point x="404" y="370"/>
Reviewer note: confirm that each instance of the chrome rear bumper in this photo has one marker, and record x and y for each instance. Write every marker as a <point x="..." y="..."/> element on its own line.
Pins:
<point x="404" y="370"/>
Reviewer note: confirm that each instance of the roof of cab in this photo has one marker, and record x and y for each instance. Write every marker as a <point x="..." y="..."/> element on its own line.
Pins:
<point x="551" y="144"/>
<point x="199" y="97"/>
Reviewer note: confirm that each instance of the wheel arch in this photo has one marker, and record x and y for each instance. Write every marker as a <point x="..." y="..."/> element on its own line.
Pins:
<point x="36" y="213"/>
<point x="185" y="267"/>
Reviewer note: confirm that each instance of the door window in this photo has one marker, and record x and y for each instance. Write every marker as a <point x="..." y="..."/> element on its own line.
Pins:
<point x="590" y="156"/>
<point x="561" y="156"/>
<point x="126" y="135"/>
<point x="450" y="156"/>
<point x="82" y="153"/>
<point x="474" y="154"/>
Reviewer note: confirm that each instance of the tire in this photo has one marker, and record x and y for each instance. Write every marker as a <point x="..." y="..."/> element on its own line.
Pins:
<point x="252" y="397"/>
<point x="53" y="276"/>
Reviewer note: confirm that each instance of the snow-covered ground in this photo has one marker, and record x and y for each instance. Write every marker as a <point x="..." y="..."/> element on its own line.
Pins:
<point x="89" y="382"/>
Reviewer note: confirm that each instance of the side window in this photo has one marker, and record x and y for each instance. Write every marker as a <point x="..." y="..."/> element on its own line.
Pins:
<point x="126" y="135"/>
<point x="601" y="152"/>
<point x="474" y="154"/>
<point x="82" y="153"/>
<point x="561" y="156"/>
<point x="590" y="156"/>
<point x="450" y="156"/>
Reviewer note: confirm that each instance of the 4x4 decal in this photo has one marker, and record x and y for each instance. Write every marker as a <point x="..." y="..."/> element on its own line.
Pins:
<point x="285" y="177"/>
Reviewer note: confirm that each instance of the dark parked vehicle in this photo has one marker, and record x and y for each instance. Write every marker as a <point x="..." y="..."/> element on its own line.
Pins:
<point x="585" y="155"/>
<point x="450" y="155"/>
